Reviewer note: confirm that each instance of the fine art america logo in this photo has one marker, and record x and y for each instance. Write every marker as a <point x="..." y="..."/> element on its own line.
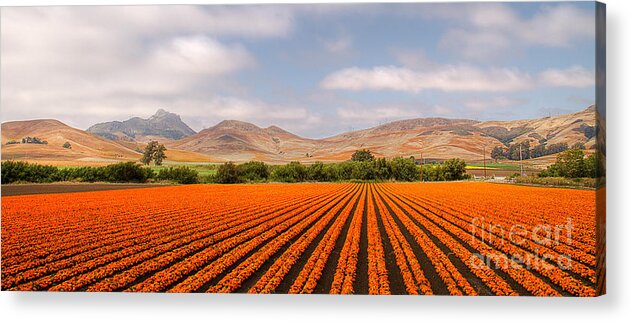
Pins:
<point x="519" y="247"/>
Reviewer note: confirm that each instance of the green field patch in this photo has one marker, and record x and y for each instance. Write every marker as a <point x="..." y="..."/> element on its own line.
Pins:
<point x="494" y="166"/>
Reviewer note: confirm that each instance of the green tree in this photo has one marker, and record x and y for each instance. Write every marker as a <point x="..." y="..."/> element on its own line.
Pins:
<point x="538" y="151"/>
<point x="362" y="155"/>
<point x="514" y="150"/>
<point x="154" y="151"/>
<point x="147" y="155"/>
<point x="316" y="172"/>
<point x="67" y="145"/>
<point x="159" y="154"/>
<point x="331" y="172"/>
<point x="253" y="171"/>
<point x="291" y="172"/>
<point x="556" y="148"/>
<point x="345" y="170"/>
<point x="498" y="153"/>
<point x="404" y="169"/>
<point x="594" y="165"/>
<point x="454" y="169"/>
<point x="227" y="173"/>
<point x="432" y="172"/>
<point x="382" y="171"/>
<point x="363" y="170"/>
<point x="181" y="175"/>
<point x="571" y="164"/>
<point x="126" y="172"/>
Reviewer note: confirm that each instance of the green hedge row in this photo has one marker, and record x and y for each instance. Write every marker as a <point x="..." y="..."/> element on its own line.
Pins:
<point x="19" y="171"/>
<point x="396" y="169"/>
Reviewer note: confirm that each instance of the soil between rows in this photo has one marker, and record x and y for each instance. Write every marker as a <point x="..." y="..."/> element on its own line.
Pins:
<point x="326" y="279"/>
<point x="252" y="280"/>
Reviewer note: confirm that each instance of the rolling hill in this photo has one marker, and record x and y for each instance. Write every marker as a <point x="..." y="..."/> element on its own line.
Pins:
<point x="242" y="141"/>
<point x="231" y="140"/>
<point x="84" y="147"/>
<point x="439" y="138"/>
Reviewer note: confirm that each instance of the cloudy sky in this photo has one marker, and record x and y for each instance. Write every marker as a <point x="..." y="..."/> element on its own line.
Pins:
<point x="315" y="70"/>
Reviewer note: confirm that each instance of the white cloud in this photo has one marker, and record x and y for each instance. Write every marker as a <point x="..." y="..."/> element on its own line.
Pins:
<point x="252" y="110"/>
<point x="91" y="64"/>
<point x="198" y="55"/>
<point x="483" y="104"/>
<point x="378" y="113"/>
<point x="575" y="76"/>
<point x="449" y="78"/>
<point x="491" y="30"/>
<point x="205" y="111"/>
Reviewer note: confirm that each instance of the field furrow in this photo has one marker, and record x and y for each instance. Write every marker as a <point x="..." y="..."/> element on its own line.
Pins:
<point x="461" y="238"/>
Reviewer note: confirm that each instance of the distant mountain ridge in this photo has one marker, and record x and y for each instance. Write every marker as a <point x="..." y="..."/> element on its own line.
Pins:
<point x="244" y="140"/>
<point x="163" y="124"/>
<point x="439" y="138"/>
<point x="232" y="140"/>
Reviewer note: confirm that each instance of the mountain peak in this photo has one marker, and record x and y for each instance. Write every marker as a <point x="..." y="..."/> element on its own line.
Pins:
<point x="161" y="112"/>
<point x="236" y="125"/>
<point x="275" y="130"/>
<point x="162" y="123"/>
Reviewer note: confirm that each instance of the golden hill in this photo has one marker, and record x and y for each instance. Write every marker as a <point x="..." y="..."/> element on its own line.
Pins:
<point x="84" y="146"/>
<point x="437" y="138"/>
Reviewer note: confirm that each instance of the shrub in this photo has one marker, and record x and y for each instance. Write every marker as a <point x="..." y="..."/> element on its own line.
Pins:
<point x="404" y="169"/>
<point x="571" y="164"/>
<point x="255" y="171"/>
<point x="15" y="171"/>
<point x="345" y="170"/>
<point x="317" y="172"/>
<point x="513" y="176"/>
<point x="227" y="173"/>
<point x="181" y="175"/>
<point x="126" y="172"/>
<point x="556" y="181"/>
<point x="331" y="172"/>
<point x="292" y="172"/>
<point x="363" y="170"/>
<point x="454" y="169"/>
<point x="362" y="155"/>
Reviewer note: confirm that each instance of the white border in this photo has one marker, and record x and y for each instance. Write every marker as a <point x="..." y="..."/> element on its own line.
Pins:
<point x="164" y="307"/>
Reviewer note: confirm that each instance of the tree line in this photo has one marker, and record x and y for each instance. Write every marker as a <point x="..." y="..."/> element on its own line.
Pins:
<point x="512" y="151"/>
<point x="575" y="164"/>
<point x="28" y="140"/>
<point x="572" y="168"/>
<point x="362" y="167"/>
<point x="20" y="171"/>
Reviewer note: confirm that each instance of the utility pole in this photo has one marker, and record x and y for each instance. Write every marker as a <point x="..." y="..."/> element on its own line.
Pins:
<point x="521" y="162"/>
<point x="484" y="162"/>
<point x="421" y="150"/>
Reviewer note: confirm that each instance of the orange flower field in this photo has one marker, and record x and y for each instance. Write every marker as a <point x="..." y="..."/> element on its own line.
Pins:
<point x="463" y="238"/>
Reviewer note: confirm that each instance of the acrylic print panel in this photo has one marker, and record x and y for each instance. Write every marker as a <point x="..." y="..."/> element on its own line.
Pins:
<point x="420" y="148"/>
